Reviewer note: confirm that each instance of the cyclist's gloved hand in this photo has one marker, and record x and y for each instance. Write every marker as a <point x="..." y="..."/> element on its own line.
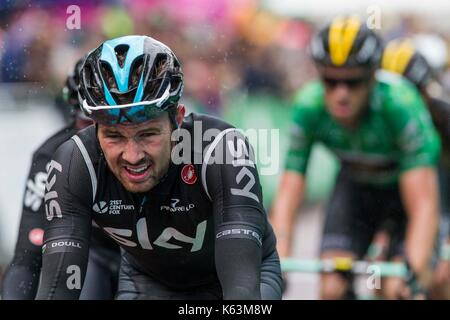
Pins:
<point x="404" y="288"/>
<point x="413" y="288"/>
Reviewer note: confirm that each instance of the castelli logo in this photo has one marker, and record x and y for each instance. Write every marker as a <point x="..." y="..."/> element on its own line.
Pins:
<point x="188" y="174"/>
<point x="36" y="236"/>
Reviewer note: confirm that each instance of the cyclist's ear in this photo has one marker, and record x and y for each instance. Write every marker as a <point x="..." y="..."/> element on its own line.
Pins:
<point x="179" y="115"/>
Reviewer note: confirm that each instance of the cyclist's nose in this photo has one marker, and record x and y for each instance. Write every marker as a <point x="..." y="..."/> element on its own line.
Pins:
<point x="341" y="88"/>
<point x="133" y="152"/>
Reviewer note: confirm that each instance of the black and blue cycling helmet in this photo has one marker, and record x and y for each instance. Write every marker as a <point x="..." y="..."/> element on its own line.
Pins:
<point x="129" y="79"/>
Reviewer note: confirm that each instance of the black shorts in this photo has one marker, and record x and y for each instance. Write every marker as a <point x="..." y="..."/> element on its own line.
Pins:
<point x="357" y="211"/>
<point x="101" y="275"/>
<point x="134" y="284"/>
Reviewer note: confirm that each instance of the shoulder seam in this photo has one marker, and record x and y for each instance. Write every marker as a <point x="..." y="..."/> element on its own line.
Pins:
<point x="208" y="154"/>
<point x="88" y="161"/>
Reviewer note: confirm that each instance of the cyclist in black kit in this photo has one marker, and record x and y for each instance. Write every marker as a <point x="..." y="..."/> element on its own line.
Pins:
<point x="181" y="196"/>
<point x="21" y="279"/>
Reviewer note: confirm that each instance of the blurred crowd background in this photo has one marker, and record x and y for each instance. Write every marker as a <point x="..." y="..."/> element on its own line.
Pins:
<point x="225" y="46"/>
<point x="243" y="60"/>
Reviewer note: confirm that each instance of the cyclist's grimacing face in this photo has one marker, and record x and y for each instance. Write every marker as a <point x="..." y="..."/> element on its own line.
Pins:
<point x="346" y="91"/>
<point x="138" y="154"/>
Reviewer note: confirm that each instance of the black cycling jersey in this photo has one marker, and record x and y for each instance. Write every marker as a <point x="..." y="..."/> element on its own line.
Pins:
<point x="440" y="114"/>
<point x="21" y="278"/>
<point x="204" y="223"/>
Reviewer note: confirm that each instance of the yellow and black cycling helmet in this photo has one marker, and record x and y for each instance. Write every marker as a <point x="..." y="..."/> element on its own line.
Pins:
<point x="400" y="56"/>
<point x="347" y="42"/>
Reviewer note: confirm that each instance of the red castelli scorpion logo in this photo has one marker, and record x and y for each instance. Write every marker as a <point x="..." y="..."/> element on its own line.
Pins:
<point x="188" y="174"/>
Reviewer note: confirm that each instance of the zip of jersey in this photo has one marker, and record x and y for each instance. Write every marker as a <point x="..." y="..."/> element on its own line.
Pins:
<point x="141" y="208"/>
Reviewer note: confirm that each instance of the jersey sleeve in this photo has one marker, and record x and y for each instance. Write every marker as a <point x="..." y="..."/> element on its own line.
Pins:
<point x="301" y="138"/>
<point x="415" y="134"/>
<point x="22" y="275"/>
<point x="67" y="204"/>
<point x="231" y="181"/>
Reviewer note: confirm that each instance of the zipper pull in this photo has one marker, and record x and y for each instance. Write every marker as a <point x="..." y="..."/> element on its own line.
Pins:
<point x="144" y="200"/>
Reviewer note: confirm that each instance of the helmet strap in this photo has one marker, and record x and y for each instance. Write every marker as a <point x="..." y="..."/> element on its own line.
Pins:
<point x="177" y="115"/>
<point x="181" y="111"/>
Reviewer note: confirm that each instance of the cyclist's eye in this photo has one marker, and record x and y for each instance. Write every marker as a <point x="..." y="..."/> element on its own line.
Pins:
<point x="148" y="134"/>
<point x="330" y="82"/>
<point x="113" y="136"/>
<point x="353" y="83"/>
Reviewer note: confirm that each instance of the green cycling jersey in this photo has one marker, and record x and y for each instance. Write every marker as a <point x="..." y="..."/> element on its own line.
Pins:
<point x="396" y="133"/>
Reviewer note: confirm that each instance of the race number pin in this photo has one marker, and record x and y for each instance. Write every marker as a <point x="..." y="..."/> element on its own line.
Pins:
<point x="188" y="174"/>
<point x="36" y="236"/>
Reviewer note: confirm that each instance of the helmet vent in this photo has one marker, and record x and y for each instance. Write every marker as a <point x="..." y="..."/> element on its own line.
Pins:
<point x="121" y="53"/>
<point x="156" y="85"/>
<point x="108" y="76"/>
<point x="136" y="71"/>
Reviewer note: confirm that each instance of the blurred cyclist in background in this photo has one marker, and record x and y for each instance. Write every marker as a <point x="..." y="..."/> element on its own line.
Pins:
<point x="21" y="279"/>
<point x="402" y="56"/>
<point x="379" y="128"/>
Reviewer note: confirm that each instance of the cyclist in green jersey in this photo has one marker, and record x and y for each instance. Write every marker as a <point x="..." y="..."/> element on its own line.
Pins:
<point x="402" y="56"/>
<point x="378" y="126"/>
